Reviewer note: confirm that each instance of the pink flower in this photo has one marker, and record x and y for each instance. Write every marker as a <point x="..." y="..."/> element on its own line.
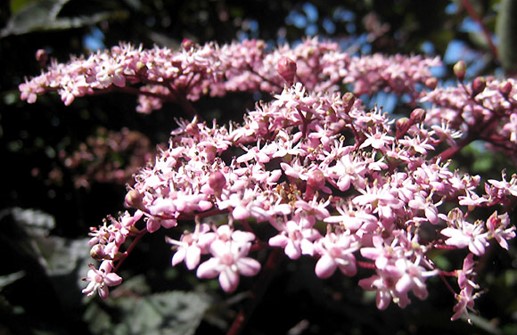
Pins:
<point x="229" y="261"/>
<point x="504" y="187"/>
<point x="191" y="246"/>
<point x="383" y="288"/>
<point x="379" y="141"/>
<point x="462" y="233"/>
<point x="296" y="238"/>
<point x="412" y="278"/>
<point x="465" y="302"/>
<point x="500" y="228"/>
<point x="336" y="251"/>
<point x="28" y="92"/>
<point x="99" y="280"/>
<point x="471" y="199"/>
<point x="468" y="289"/>
<point x="467" y="275"/>
<point x="354" y="219"/>
<point x="380" y="200"/>
<point x="427" y="205"/>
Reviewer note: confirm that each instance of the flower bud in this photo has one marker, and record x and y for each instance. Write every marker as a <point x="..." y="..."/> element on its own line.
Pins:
<point x="141" y="68"/>
<point x="42" y="57"/>
<point x="97" y="252"/>
<point x="431" y="83"/>
<point x="316" y="180"/>
<point x="459" y="70"/>
<point x="505" y="89"/>
<point x="133" y="199"/>
<point x="187" y="44"/>
<point x="211" y="152"/>
<point x="478" y="85"/>
<point x="217" y="182"/>
<point x="286" y="68"/>
<point x="348" y="101"/>
<point x="417" y="115"/>
<point x="401" y="126"/>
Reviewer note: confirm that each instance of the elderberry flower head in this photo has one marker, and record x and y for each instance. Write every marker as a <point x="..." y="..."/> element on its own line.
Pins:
<point x="329" y="178"/>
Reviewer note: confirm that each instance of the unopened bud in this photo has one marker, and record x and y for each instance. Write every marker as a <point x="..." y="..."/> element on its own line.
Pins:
<point x="478" y="85"/>
<point x="187" y="44"/>
<point x="316" y="180"/>
<point x="42" y="57"/>
<point x="348" y="101"/>
<point x="141" y="67"/>
<point x="217" y="182"/>
<point x="505" y="89"/>
<point x="401" y="126"/>
<point x="211" y="152"/>
<point x="459" y="70"/>
<point x="133" y="199"/>
<point x="417" y="115"/>
<point x="97" y="252"/>
<point x="431" y="83"/>
<point x="286" y="68"/>
<point x="402" y="122"/>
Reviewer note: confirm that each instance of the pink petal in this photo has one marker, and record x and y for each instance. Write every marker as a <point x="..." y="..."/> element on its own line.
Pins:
<point x="403" y="284"/>
<point x="382" y="300"/>
<point x="292" y="250"/>
<point x="307" y="247"/>
<point x="349" y="267"/>
<point x="325" y="266"/>
<point x="193" y="255"/>
<point x="112" y="279"/>
<point x="208" y="269"/>
<point x="228" y="280"/>
<point x="179" y="256"/>
<point x="248" y="266"/>
<point x="240" y="213"/>
<point x="103" y="292"/>
<point x="278" y="241"/>
<point x="204" y="205"/>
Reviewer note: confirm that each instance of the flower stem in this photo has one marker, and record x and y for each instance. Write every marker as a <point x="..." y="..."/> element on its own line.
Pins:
<point x="240" y="321"/>
<point x="130" y="248"/>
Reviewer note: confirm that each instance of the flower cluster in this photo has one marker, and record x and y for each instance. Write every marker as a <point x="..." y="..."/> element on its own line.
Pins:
<point x="485" y="110"/>
<point x="312" y="172"/>
<point x="161" y="74"/>
<point x="228" y="248"/>
<point x="106" y="157"/>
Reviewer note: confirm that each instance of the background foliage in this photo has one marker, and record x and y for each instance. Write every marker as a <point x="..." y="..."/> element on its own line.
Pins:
<point x="45" y="216"/>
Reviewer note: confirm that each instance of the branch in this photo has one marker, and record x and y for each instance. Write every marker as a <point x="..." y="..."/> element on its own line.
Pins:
<point x="474" y="15"/>
<point x="258" y="292"/>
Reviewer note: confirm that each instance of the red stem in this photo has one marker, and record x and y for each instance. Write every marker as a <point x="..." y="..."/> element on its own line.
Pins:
<point x="258" y="292"/>
<point x="129" y="249"/>
<point x="474" y="15"/>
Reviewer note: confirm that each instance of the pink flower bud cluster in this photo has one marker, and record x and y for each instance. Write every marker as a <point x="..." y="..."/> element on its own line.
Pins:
<point x="312" y="172"/>
<point x="162" y="74"/>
